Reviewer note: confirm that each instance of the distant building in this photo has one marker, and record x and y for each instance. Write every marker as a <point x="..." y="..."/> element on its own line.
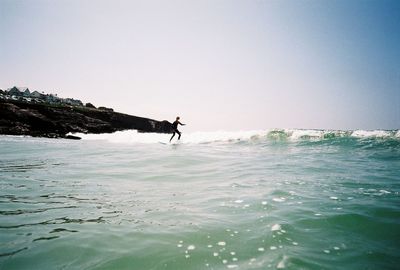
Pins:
<point x="73" y="102"/>
<point x="52" y="99"/>
<point x="26" y="93"/>
<point x="23" y="94"/>
<point x="15" y="92"/>
<point x="36" y="94"/>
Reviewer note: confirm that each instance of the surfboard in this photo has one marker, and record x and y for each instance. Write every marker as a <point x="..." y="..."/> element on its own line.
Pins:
<point x="171" y="143"/>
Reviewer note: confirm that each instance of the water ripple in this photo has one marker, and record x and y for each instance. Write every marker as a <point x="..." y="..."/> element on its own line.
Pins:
<point x="12" y="252"/>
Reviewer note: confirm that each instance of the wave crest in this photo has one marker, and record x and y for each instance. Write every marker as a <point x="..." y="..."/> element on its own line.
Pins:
<point x="132" y="136"/>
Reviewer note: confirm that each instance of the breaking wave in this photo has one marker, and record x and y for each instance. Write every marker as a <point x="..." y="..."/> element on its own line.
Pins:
<point x="132" y="136"/>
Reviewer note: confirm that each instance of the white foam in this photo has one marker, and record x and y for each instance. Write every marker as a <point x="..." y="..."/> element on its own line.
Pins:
<point x="132" y="136"/>
<point x="300" y="133"/>
<point x="371" y="133"/>
<point x="127" y="136"/>
<point x="276" y="227"/>
<point x="282" y="263"/>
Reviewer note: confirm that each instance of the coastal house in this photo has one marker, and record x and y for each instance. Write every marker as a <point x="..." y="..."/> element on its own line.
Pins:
<point x="26" y="93"/>
<point x="15" y="91"/>
<point x="19" y="92"/>
<point x="50" y="98"/>
<point x="73" y="102"/>
<point x="36" y="94"/>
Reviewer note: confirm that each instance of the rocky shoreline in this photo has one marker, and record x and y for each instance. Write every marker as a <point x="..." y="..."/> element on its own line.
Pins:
<point x="56" y="121"/>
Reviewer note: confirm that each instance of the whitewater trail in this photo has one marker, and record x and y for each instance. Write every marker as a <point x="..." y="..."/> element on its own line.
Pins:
<point x="132" y="136"/>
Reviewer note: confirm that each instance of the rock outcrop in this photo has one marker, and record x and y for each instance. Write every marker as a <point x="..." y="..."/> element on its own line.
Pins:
<point x="44" y="120"/>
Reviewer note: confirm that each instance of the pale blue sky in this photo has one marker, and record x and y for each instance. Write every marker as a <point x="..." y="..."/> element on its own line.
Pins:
<point x="220" y="65"/>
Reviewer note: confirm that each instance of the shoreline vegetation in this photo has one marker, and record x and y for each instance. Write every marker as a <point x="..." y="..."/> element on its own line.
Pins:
<point x="47" y="115"/>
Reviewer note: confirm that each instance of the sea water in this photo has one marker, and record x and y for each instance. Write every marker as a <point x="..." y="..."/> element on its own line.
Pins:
<point x="276" y="199"/>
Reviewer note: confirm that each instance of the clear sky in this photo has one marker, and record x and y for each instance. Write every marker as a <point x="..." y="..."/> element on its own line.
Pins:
<point x="219" y="64"/>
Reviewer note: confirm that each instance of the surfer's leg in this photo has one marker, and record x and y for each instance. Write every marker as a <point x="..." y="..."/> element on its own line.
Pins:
<point x="173" y="134"/>
<point x="179" y="135"/>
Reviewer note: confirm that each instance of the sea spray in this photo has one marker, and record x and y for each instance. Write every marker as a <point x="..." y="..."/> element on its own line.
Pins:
<point x="252" y="136"/>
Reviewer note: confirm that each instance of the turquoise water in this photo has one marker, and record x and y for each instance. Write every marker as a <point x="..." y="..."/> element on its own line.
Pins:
<point x="267" y="200"/>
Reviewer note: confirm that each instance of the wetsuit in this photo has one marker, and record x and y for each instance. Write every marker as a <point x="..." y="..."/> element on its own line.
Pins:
<point x="175" y="129"/>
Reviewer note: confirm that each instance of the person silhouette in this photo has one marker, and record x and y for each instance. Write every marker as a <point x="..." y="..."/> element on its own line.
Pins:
<point x="175" y="128"/>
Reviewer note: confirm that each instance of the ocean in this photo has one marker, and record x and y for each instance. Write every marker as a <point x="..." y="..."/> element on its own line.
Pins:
<point x="269" y="199"/>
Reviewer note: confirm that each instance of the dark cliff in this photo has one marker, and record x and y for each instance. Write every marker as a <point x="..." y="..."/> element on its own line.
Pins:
<point x="44" y="120"/>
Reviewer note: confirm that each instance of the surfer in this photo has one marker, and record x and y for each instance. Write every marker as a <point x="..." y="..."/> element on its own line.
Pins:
<point x="175" y="128"/>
